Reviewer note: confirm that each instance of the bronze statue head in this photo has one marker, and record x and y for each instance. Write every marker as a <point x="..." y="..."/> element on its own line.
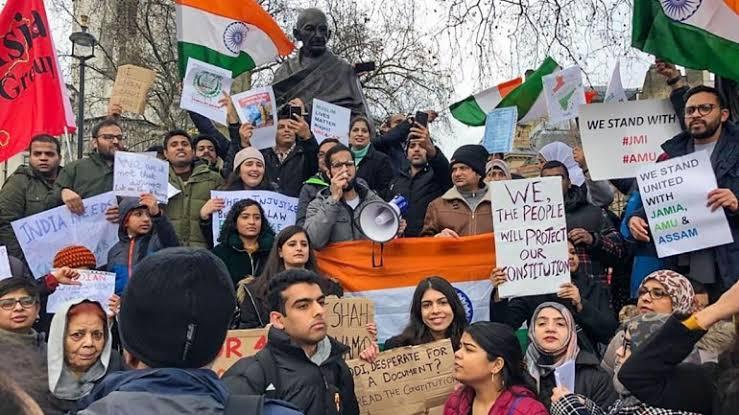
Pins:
<point x="312" y="29"/>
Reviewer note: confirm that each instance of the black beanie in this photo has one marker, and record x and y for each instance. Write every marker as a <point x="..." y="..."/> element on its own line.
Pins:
<point x="202" y="137"/>
<point x="177" y="308"/>
<point x="473" y="155"/>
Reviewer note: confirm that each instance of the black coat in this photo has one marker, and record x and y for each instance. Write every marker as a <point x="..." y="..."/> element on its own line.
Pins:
<point x="300" y="164"/>
<point x="309" y="387"/>
<point x="393" y="143"/>
<point x="377" y="171"/>
<point x="420" y="190"/>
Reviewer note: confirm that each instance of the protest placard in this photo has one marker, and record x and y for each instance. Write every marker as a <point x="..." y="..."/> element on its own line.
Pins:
<point x="408" y="380"/>
<point x="500" y="130"/>
<point x="4" y="263"/>
<point x="203" y="87"/>
<point x="131" y="87"/>
<point x="675" y="193"/>
<point x="565" y="93"/>
<point x="238" y="344"/>
<point x="329" y="120"/>
<point x="281" y="210"/>
<point x="42" y="235"/>
<point x="134" y="174"/>
<point x="620" y="138"/>
<point x="257" y="106"/>
<point x="94" y="285"/>
<point x="530" y="235"/>
<point x="347" y="319"/>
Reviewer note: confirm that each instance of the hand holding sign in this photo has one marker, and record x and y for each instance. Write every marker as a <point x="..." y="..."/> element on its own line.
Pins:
<point x="67" y="276"/>
<point x="73" y="201"/>
<point x="722" y="198"/>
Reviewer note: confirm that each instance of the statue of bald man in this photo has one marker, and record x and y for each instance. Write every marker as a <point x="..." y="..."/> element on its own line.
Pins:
<point x="316" y="72"/>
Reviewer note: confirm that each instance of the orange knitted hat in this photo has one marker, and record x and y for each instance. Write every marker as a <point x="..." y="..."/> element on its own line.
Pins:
<point x="74" y="256"/>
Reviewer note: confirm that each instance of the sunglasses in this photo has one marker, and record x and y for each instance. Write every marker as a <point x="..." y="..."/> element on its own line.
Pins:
<point x="654" y="293"/>
<point x="25" y="302"/>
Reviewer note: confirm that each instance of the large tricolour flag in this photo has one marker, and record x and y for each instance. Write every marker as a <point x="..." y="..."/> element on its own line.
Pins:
<point x="33" y="97"/>
<point x="698" y="34"/>
<point x="474" y="109"/>
<point x="235" y="35"/>
<point x="529" y="97"/>
<point x="465" y="262"/>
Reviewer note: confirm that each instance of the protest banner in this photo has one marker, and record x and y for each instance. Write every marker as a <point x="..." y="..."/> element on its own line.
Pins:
<point x="329" y="120"/>
<point x="500" y="130"/>
<point x="347" y="319"/>
<point x="94" y="285"/>
<point x="408" y="380"/>
<point x="42" y="235"/>
<point x="131" y="88"/>
<point x="530" y="235"/>
<point x="281" y="210"/>
<point x="203" y="87"/>
<point x="258" y="107"/>
<point x="619" y="138"/>
<point x="134" y="174"/>
<point x="675" y="193"/>
<point x="565" y="93"/>
<point x="4" y="263"/>
<point x="238" y="344"/>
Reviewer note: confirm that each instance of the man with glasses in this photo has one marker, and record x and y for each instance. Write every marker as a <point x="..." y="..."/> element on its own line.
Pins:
<point x="707" y="129"/>
<point x="333" y="215"/>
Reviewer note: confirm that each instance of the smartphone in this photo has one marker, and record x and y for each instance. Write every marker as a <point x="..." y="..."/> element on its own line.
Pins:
<point x="295" y="110"/>
<point x="364" y="67"/>
<point x="422" y="118"/>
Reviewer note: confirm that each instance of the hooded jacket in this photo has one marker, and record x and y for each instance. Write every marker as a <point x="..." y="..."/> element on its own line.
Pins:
<point x="124" y="255"/>
<point x="64" y="387"/>
<point x="158" y="391"/>
<point x="308" y="192"/>
<point x="239" y="262"/>
<point x="89" y="176"/>
<point x="515" y="400"/>
<point x="184" y="208"/>
<point x="452" y="211"/>
<point x="314" y="389"/>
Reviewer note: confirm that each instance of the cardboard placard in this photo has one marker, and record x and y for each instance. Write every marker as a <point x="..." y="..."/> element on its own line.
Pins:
<point x="347" y="319"/>
<point x="239" y="344"/>
<point x="131" y="88"/>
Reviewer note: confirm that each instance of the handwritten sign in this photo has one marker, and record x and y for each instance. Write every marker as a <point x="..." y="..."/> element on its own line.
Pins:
<point x="329" y="120"/>
<point x="42" y="235"/>
<point x="281" y="210"/>
<point x="620" y="138"/>
<point x="257" y="107"/>
<point x="530" y="235"/>
<point x="239" y="344"/>
<point x="131" y="87"/>
<point x="674" y="193"/>
<point x="564" y="93"/>
<point x="500" y="130"/>
<point x="4" y="264"/>
<point x="95" y="286"/>
<point x="407" y="380"/>
<point x="134" y="174"/>
<point x="203" y="87"/>
<point x="347" y="320"/>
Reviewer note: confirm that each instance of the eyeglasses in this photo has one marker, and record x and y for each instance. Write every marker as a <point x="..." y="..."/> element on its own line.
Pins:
<point x="25" y="302"/>
<point x="111" y="137"/>
<point x="346" y="164"/>
<point x="654" y="293"/>
<point x="702" y="109"/>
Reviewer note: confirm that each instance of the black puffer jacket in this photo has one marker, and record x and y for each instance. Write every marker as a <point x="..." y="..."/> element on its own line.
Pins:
<point x="377" y="170"/>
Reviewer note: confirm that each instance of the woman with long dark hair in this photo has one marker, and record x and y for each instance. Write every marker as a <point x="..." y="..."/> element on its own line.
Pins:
<point x="291" y="250"/>
<point x="489" y="365"/>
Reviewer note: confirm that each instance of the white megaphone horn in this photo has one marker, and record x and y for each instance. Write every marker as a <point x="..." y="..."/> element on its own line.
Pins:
<point x="380" y="221"/>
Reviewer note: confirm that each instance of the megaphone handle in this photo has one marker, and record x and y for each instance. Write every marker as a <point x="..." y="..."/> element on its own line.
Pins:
<point x="382" y="249"/>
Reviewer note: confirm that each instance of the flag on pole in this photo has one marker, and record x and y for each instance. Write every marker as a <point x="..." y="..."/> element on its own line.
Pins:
<point x="473" y="109"/>
<point x="235" y="35"/>
<point x="698" y="34"/>
<point x="33" y="97"/>
<point x="529" y="97"/>
<point x="615" y="91"/>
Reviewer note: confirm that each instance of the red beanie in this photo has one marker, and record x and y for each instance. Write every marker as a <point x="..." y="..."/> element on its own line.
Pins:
<point x="75" y="256"/>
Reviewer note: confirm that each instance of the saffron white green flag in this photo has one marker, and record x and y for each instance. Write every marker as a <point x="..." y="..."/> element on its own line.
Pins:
<point x="529" y="97"/>
<point x="474" y="109"/>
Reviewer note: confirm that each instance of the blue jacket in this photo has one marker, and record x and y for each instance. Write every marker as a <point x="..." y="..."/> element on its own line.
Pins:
<point x="646" y="260"/>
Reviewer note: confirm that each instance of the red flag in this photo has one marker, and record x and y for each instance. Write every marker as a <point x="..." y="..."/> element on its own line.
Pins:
<point x="33" y="98"/>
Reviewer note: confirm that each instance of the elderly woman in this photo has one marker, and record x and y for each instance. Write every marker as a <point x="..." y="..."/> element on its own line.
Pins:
<point x="19" y="309"/>
<point x="79" y="353"/>
<point x="497" y="170"/>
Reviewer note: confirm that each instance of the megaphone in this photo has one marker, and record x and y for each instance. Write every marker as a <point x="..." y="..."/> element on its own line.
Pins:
<point x="380" y="221"/>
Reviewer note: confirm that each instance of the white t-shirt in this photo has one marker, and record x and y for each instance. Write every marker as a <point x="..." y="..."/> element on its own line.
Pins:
<point x="353" y="203"/>
<point x="707" y="147"/>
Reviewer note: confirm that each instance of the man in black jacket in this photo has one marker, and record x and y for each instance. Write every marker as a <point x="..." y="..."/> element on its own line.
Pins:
<point x="300" y="364"/>
<point x="427" y="178"/>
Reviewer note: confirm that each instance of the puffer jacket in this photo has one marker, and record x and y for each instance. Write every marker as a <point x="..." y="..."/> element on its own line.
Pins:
<point x="184" y="208"/>
<point x="452" y="211"/>
<point x="22" y="195"/>
<point x="124" y="255"/>
<point x="89" y="176"/>
<point x="516" y="400"/>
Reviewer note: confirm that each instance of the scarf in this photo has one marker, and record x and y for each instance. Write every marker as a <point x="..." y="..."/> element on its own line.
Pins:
<point x="360" y="153"/>
<point x="540" y="363"/>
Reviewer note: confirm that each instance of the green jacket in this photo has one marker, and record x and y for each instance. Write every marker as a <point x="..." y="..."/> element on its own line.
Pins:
<point x="87" y="177"/>
<point x="240" y="263"/>
<point x="183" y="210"/>
<point x="23" y="194"/>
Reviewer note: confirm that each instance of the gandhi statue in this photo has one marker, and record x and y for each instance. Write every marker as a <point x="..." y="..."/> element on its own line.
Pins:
<point x="316" y="72"/>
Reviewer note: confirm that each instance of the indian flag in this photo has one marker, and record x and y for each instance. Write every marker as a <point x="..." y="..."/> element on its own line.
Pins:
<point x="529" y="97"/>
<point x="473" y="109"/>
<point x="236" y="35"/>
<point x="698" y="34"/>
<point x="465" y="262"/>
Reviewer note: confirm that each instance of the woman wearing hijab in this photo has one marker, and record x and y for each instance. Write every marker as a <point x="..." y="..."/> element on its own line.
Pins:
<point x="554" y="358"/>
<point x="635" y="335"/>
<point x="79" y="353"/>
<point x="599" y="192"/>
<point x="497" y="170"/>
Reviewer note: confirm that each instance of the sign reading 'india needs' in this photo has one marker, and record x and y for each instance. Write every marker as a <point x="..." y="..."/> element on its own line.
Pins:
<point x="675" y="193"/>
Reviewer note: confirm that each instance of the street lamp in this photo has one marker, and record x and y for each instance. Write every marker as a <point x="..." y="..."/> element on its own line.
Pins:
<point x="83" y="48"/>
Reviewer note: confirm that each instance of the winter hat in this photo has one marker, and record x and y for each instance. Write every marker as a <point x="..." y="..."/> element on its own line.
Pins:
<point x="74" y="256"/>
<point x="500" y="165"/>
<point x="678" y="288"/>
<point x="177" y="322"/>
<point x="246" y="154"/>
<point x="202" y="137"/>
<point x="473" y="155"/>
